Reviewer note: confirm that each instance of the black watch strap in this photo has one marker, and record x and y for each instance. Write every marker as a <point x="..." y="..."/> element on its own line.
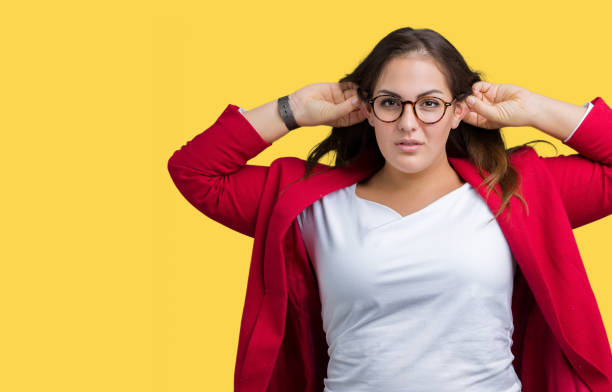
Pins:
<point x="286" y="114"/>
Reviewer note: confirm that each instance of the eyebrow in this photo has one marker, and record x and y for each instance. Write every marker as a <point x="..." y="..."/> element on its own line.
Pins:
<point x="418" y="96"/>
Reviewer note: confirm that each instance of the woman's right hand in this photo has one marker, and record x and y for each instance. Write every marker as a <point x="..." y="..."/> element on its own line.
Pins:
<point x="327" y="104"/>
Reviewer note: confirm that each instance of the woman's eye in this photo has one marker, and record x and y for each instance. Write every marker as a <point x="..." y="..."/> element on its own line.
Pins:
<point x="429" y="103"/>
<point x="389" y="102"/>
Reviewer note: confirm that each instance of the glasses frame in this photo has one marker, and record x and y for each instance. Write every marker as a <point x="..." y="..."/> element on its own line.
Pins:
<point x="446" y="105"/>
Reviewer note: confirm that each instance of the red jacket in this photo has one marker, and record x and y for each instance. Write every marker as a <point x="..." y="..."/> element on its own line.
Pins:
<point x="560" y="342"/>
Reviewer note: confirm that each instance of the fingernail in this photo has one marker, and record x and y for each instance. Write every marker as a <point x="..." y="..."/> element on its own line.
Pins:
<point x="354" y="100"/>
<point x="470" y="100"/>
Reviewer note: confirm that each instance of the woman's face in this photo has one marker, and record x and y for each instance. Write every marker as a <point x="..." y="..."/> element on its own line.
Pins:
<point x="409" y="77"/>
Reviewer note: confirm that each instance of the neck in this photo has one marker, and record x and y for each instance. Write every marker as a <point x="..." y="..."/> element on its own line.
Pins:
<point x="439" y="175"/>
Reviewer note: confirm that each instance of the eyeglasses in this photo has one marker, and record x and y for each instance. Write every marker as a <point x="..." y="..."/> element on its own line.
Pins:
<point x="428" y="109"/>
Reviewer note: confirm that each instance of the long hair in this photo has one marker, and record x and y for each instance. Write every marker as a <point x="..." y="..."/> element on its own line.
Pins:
<point x="483" y="147"/>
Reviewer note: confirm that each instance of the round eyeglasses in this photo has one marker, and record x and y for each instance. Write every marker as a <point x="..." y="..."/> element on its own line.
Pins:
<point x="428" y="109"/>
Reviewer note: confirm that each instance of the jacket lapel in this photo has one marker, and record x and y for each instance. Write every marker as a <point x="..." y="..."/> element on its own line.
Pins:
<point x="296" y="197"/>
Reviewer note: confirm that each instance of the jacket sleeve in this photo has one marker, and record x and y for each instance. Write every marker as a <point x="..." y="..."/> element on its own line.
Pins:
<point x="584" y="180"/>
<point x="210" y="171"/>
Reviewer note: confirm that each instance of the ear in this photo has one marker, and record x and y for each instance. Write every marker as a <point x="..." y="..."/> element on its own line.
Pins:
<point x="370" y="114"/>
<point x="460" y="110"/>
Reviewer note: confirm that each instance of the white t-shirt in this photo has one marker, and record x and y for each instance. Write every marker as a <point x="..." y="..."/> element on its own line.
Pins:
<point x="414" y="303"/>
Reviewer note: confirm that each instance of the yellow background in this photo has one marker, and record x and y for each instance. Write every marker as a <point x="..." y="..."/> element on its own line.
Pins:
<point x="109" y="279"/>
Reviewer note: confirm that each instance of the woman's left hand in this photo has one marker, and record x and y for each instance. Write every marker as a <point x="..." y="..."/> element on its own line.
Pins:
<point x="499" y="105"/>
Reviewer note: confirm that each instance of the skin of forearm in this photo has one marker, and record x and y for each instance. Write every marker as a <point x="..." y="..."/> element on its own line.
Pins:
<point x="267" y="121"/>
<point x="555" y="118"/>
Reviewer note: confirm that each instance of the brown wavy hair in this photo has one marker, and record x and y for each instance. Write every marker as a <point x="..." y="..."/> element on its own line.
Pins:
<point x="483" y="147"/>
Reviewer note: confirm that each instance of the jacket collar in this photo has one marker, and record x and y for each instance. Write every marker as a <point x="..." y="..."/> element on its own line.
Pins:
<point x="300" y="195"/>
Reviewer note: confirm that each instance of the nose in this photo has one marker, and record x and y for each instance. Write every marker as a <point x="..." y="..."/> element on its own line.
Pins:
<point x="408" y="120"/>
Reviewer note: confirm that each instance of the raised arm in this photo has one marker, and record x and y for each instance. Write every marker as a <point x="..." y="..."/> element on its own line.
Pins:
<point x="211" y="172"/>
<point x="584" y="180"/>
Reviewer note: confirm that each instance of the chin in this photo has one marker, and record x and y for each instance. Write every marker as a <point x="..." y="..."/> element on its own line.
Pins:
<point x="410" y="165"/>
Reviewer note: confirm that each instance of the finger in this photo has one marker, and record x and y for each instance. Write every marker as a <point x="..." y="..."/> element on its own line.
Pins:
<point x="470" y="118"/>
<point x="350" y="93"/>
<point x="481" y="107"/>
<point x="347" y="88"/>
<point x="485" y="91"/>
<point x="481" y="86"/>
<point x="476" y="91"/>
<point x="474" y="119"/>
<point x="348" y="85"/>
<point x="337" y="94"/>
<point x="344" y="109"/>
<point x="356" y="116"/>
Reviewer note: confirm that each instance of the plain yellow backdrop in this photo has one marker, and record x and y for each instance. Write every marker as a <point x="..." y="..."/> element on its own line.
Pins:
<point x="109" y="279"/>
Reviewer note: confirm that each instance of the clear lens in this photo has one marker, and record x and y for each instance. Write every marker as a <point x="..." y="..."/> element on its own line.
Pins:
<point x="428" y="109"/>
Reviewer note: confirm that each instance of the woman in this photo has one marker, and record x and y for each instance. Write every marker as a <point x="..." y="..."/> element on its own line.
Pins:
<point x="389" y="271"/>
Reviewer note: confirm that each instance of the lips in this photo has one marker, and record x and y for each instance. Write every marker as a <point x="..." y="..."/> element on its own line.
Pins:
<point x="409" y="142"/>
<point x="409" y="147"/>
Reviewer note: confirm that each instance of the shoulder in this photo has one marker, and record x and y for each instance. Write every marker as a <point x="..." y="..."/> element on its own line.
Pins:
<point x="518" y="152"/>
<point x="288" y="162"/>
<point x="522" y="154"/>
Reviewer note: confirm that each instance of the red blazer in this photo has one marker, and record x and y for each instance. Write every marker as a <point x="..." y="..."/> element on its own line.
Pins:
<point x="560" y="342"/>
